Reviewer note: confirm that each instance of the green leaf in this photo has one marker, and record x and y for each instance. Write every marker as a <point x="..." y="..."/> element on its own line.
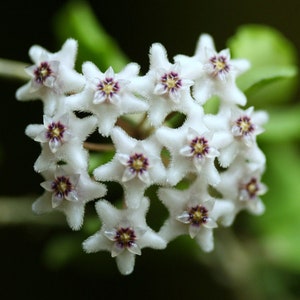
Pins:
<point x="258" y="84"/>
<point x="77" y="20"/>
<point x="283" y="125"/>
<point x="212" y="105"/>
<point x="256" y="76"/>
<point x="98" y="159"/>
<point x="61" y="250"/>
<point x="279" y="226"/>
<point x="263" y="46"/>
<point x="272" y="78"/>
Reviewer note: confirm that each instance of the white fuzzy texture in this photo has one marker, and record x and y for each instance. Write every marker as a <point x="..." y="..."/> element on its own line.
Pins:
<point x="224" y="176"/>
<point x="115" y="169"/>
<point x="86" y="190"/>
<point x="66" y="78"/>
<point x="207" y="85"/>
<point x="113" y="218"/>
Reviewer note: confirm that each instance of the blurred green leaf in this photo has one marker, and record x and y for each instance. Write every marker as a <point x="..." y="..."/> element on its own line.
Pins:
<point x="268" y="84"/>
<point x="77" y="20"/>
<point x="61" y="250"/>
<point x="273" y="75"/>
<point x="211" y="106"/>
<point x="283" y="125"/>
<point x="91" y="225"/>
<point x="263" y="46"/>
<point x="98" y="159"/>
<point x="279" y="226"/>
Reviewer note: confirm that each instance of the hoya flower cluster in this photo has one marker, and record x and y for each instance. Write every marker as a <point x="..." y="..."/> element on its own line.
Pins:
<point x="206" y="169"/>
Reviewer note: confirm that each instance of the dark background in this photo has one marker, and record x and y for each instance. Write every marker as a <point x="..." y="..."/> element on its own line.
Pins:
<point x="135" y="25"/>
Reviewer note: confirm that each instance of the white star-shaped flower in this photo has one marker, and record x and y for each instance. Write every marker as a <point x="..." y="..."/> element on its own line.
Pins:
<point x="52" y="76"/>
<point x="214" y="73"/>
<point x="165" y="86"/>
<point x="136" y="165"/>
<point x="123" y="233"/>
<point x="68" y="190"/>
<point x="241" y="128"/>
<point x="190" y="213"/>
<point x="243" y="187"/>
<point x="61" y="138"/>
<point x="192" y="148"/>
<point x="108" y="95"/>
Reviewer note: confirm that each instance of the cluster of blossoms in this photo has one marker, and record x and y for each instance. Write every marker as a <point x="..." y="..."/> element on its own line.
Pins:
<point x="206" y="170"/>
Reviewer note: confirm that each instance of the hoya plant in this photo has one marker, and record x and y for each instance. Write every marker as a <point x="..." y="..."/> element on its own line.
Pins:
<point x="194" y="132"/>
<point x="210" y="171"/>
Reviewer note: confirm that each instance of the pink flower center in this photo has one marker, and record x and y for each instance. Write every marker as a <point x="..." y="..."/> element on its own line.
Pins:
<point x="108" y="87"/>
<point x="197" y="215"/>
<point x="138" y="163"/>
<point x="199" y="147"/>
<point x="42" y="72"/>
<point x="125" y="237"/>
<point x="220" y="65"/>
<point x="252" y="188"/>
<point x="55" y="131"/>
<point x="62" y="186"/>
<point x="171" y="82"/>
<point x="245" y="125"/>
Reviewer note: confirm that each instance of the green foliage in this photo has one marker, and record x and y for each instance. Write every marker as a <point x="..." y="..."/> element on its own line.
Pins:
<point x="263" y="46"/>
<point x="278" y="227"/>
<point x="97" y="159"/>
<point x="272" y="78"/>
<point x="283" y="126"/>
<point x="61" y="250"/>
<point x="78" y="21"/>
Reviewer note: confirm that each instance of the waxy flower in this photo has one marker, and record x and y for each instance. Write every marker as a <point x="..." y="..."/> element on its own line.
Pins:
<point x="108" y="95"/>
<point x="240" y="127"/>
<point x="136" y="165"/>
<point x="214" y="73"/>
<point x="165" y="87"/>
<point x="61" y="138"/>
<point x="246" y="125"/>
<point x="192" y="148"/>
<point x="190" y="213"/>
<point x="243" y="187"/>
<point x="123" y="233"/>
<point x="52" y="76"/>
<point x="68" y="191"/>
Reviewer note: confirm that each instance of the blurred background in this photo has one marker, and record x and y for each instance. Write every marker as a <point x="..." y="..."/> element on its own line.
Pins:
<point x="256" y="259"/>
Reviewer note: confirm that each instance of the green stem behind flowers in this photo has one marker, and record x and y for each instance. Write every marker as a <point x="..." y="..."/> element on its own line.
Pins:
<point x="17" y="211"/>
<point x="13" y="69"/>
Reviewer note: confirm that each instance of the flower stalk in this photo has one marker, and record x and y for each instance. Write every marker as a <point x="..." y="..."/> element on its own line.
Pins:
<point x="13" y="69"/>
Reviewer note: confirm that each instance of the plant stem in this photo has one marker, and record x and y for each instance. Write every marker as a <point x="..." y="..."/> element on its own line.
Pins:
<point x="98" y="147"/>
<point x="17" y="211"/>
<point x="13" y="69"/>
